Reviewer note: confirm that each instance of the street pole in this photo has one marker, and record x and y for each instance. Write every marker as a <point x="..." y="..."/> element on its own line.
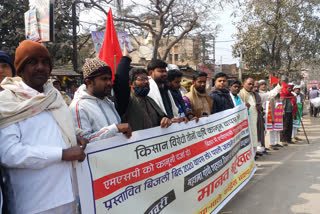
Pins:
<point x="240" y="66"/>
<point x="74" y="36"/>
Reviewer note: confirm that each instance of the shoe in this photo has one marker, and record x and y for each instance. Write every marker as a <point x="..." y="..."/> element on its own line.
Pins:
<point x="290" y="142"/>
<point x="259" y="153"/>
<point x="293" y="140"/>
<point x="283" y="144"/>
<point x="274" y="147"/>
<point x="265" y="152"/>
<point x="278" y="145"/>
<point x="267" y="149"/>
<point x="298" y="139"/>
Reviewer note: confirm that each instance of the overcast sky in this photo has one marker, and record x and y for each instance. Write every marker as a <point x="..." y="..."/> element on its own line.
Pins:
<point x="224" y="49"/>
<point x="224" y="41"/>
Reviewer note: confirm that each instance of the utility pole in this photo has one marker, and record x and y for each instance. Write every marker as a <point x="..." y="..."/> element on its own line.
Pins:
<point x="74" y="36"/>
<point x="214" y="54"/>
<point x="240" y="66"/>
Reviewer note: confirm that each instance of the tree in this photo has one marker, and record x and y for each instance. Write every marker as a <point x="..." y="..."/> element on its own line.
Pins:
<point x="278" y="35"/>
<point x="12" y="24"/>
<point x="168" y="21"/>
<point x="12" y="30"/>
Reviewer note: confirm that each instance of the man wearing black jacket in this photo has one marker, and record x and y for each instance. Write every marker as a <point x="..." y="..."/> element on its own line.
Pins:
<point x="220" y="95"/>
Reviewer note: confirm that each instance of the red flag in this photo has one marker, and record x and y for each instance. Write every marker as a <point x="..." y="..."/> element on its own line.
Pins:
<point x="110" y="51"/>
<point x="273" y="80"/>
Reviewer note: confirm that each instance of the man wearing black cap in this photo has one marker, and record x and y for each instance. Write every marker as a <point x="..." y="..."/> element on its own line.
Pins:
<point x="6" y="66"/>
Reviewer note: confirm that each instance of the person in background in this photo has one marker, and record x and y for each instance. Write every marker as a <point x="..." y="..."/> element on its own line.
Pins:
<point x="234" y="89"/>
<point x="314" y="93"/>
<point x="289" y="111"/>
<point x="300" y="99"/>
<point x="57" y="84"/>
<point x="262" y="86"/>
<point x="174" y="84"/>
<point x="274" y="139"/>
<point x="6" y="66"/>
<point x="220" y="95"/>
<point x="198" y="99"/>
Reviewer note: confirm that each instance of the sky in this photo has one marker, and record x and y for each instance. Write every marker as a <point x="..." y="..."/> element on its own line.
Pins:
<point x="224" y="40"/>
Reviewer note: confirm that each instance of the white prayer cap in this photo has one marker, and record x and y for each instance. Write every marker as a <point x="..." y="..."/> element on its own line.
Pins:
<point x="262" y="82"/>
<point x="172" y="67"/>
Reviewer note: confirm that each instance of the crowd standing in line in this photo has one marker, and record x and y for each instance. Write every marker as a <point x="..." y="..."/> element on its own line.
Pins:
<point x="41" y="136"/>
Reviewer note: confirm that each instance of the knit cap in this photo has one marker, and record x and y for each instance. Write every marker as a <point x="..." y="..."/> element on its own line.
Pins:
<point x="95" y="67"/>
<point x="5" y="58"/>
<point x="29" y="49"/>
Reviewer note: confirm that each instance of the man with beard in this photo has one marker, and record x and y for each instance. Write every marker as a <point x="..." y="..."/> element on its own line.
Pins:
<point x="198" y="99"/>
<point x="142" y="112"/>
<point x="234" y="89"/>
<point x="37" y="136"/>
<point x="92" y="111"/>
<point x="159" y="91"/>
<point x="246" y="94"/>
<point x="174" y="84"/>
<point x="220" y="95"/>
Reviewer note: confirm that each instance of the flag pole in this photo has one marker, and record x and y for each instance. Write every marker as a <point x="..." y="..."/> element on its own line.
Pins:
<point x="115" y="63"/>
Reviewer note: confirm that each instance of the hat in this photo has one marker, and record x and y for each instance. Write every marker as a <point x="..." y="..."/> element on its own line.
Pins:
<point x="262" y="82"/>
<point x="5" y="58"/>
<point x="296" y="86"/>
<point x="95" y="67"/>
<point x="29" y="49"/>
<point x="172" y="67"/>
<point x="291" y="84"/>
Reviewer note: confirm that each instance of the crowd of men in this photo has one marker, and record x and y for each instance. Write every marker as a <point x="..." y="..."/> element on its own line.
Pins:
<point x="41" y="136"/>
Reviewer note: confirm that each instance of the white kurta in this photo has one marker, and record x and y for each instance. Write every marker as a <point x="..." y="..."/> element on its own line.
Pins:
<point x="31" y="151"/>
<point x="253" y="117"/>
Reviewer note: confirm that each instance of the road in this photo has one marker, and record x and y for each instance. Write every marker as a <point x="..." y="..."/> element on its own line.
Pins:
<point x="286" y="181"/>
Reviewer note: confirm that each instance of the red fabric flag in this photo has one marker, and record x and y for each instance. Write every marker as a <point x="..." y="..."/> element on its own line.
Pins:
<point x="273" y="80"/>
<point x="110" y="51"/>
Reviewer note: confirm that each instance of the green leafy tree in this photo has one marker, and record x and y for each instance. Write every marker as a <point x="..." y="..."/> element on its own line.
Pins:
<point x="278" y="36"/>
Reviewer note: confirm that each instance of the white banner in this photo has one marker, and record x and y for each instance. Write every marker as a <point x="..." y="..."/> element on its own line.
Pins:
<point x="186" y="168"/>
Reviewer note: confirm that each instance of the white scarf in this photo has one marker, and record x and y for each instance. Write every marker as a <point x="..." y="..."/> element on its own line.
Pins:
<point x="19" y="104"/>
<point x="156" y="96"/>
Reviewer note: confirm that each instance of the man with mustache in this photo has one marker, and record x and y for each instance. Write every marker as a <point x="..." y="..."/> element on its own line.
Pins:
<point x="92" y="110"/>
<point x="142" y="112"/>
<point x="37" y="136"/>
<point x="198" y="99"/>
<point x="160" y="92"/>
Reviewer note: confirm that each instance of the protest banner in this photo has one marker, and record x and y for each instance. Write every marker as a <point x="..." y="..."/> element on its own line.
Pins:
<point x="269" y="124"/>
<point x="186" y="168"/>
<point x="277" y="123"/>
<point x="297" y="119"/>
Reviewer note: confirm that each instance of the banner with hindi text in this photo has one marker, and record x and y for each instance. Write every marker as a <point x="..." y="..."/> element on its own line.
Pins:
<point x="186" y="168"/>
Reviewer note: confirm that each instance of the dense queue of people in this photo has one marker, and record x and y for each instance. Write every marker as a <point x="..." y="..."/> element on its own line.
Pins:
<point x="43" y="133"/>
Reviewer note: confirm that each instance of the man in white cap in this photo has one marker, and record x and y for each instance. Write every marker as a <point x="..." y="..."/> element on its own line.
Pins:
<point x="300" y="99"/>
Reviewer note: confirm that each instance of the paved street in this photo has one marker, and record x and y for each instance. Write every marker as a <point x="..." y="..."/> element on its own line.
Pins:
<point x="286" y="181"/>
